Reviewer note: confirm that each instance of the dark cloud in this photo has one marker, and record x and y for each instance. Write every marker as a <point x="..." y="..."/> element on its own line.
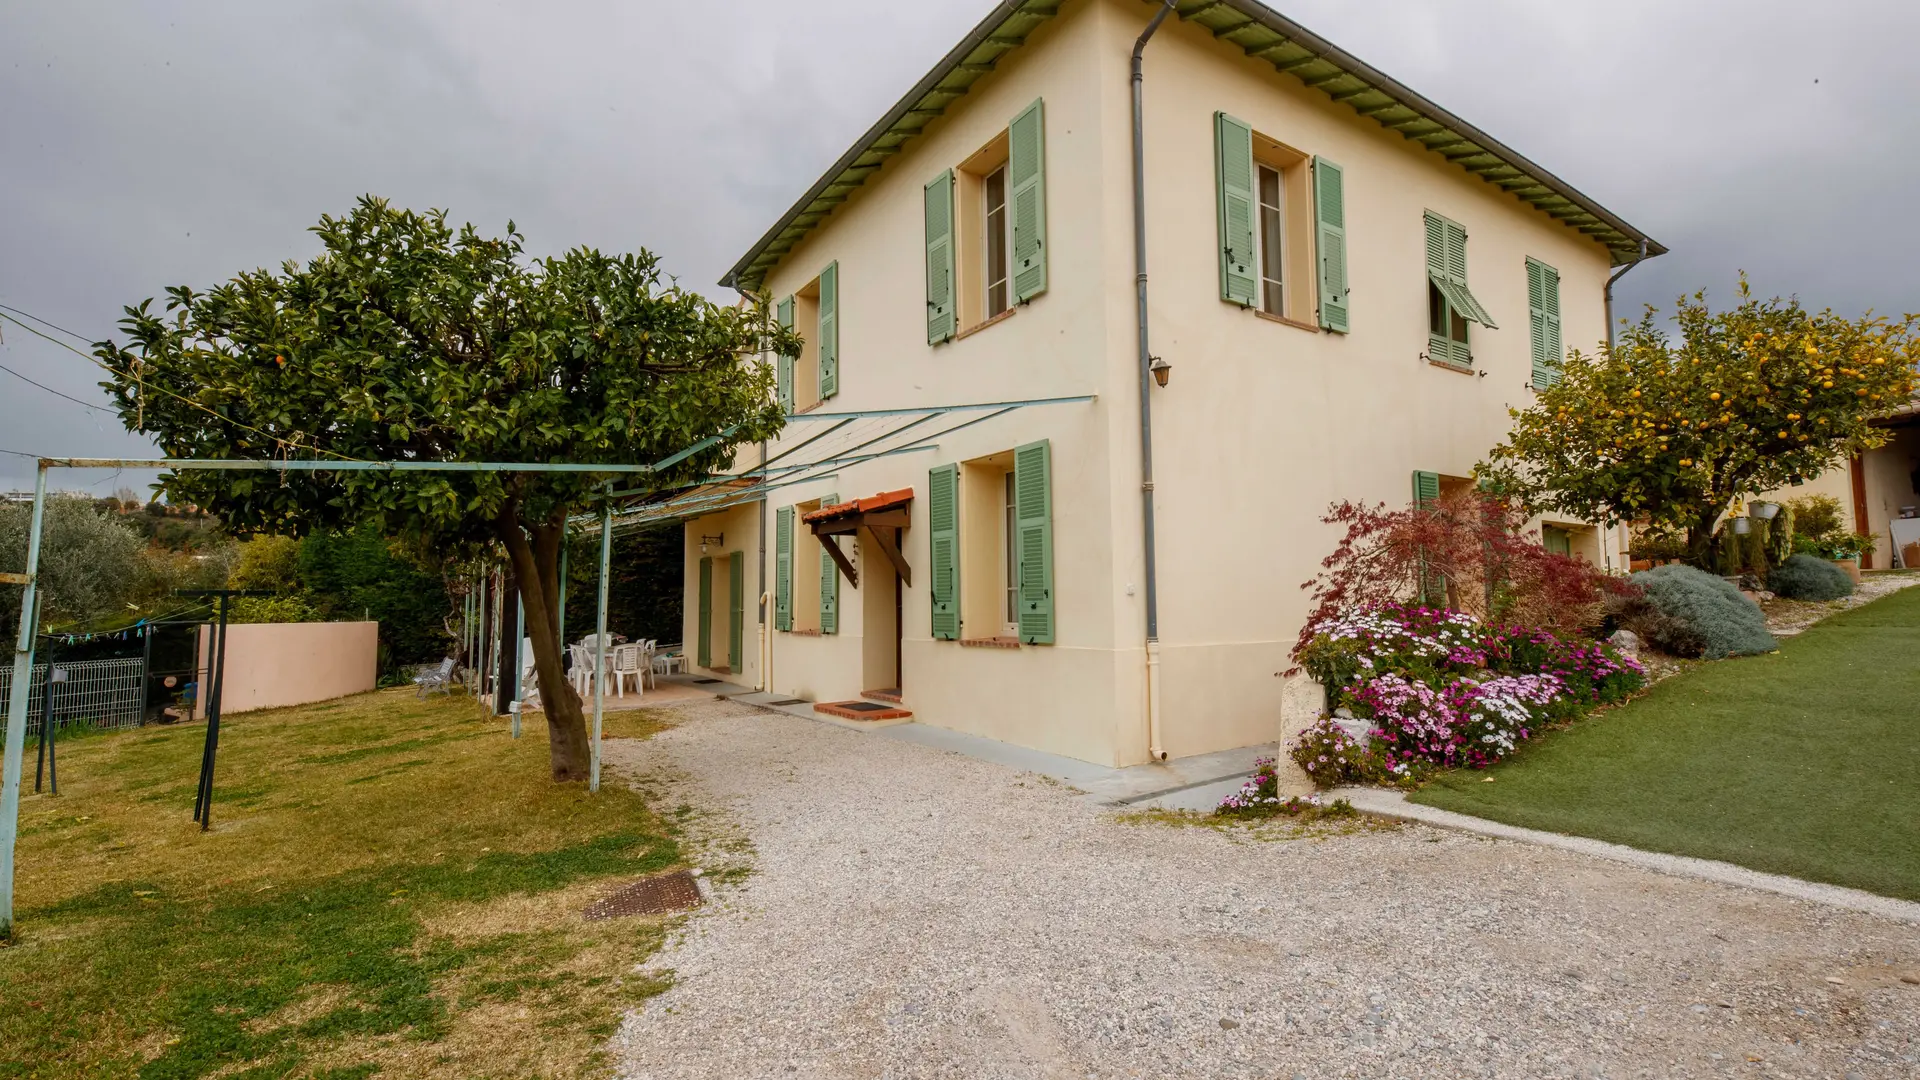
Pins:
<point x="147" y="145"/>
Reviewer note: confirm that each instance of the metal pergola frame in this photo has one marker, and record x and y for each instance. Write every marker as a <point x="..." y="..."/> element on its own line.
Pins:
<point x="716" y="492"/>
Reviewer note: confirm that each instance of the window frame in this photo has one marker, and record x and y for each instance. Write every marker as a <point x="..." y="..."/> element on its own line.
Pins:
<point x="1271" y="216"/>
<point x="996" y="296"/>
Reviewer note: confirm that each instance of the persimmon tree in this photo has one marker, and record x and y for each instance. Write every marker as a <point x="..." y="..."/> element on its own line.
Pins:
<point x="404" y="340"/>
<point x="1670" y="432"/>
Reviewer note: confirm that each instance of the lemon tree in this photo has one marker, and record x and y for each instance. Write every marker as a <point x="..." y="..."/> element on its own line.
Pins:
<point x="1669" y="431"/>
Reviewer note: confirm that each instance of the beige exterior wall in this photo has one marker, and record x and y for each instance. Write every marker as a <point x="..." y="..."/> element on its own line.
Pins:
<point x="269" y="665"/>
<point x="1263" y="423"/>
<point x="1888" y="483"/>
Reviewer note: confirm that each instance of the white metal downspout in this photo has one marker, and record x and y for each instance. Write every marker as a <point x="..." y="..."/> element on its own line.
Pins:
<point x="1155" y="748"/>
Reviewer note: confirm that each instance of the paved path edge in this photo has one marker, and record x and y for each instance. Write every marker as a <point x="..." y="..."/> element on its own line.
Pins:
<point x="1394" y="804"/>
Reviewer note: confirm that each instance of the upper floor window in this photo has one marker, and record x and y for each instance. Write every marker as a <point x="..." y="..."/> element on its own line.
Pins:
<point x="1543" y="323"/>
<point x="997" y="238"/>
<point x="814" y="309"/>
<point x="1272" y="199"/>
<point x="1450" y="304"/>
<point x="986" y="227"/>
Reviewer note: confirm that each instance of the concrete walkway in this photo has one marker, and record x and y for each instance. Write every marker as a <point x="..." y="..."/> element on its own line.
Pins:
<point x="1190" y="783"/>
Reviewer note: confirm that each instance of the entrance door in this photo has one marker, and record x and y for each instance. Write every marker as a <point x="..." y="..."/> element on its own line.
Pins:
<point x="880" y="620"/>
<point x="703" y="654"/>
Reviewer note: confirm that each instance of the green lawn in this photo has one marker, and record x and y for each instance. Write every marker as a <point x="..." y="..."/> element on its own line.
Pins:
<point x="392" y="887"/>
<point x="1805" y="762"/>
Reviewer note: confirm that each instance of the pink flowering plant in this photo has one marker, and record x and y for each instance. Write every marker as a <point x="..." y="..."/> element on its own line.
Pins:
<point x="1260" y="797"/>
<point x="1441" y="689"/>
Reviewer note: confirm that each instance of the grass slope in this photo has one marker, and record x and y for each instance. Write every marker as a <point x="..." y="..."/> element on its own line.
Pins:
<point x="391" y="887"/>
<point x="1799" y="762"/>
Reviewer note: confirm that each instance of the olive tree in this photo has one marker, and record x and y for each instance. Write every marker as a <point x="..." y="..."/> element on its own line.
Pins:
<point x="404" y="340"/>
<point x="90" y="564"/>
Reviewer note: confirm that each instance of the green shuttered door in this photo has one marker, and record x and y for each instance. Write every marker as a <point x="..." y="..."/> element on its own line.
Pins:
<point x="829" y="346"/>
<point x="939" y="216"/>
<point x="736" y="611"/>
<point x="829" y="580"/>
<point x="1233" y="176"/>
<point x="1027" y="184"/>
<point x="783" y="311"/>
<point x="943" y="549"/>
<point x="783" y="568"/>
<point x="703" y="648"/>
<point x="1330" y="239"/>
<point x="1543" y="318"/>
<point x="1033" y="516"/>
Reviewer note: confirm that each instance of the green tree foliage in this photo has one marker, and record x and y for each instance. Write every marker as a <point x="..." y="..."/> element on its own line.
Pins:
<point x="404" y="340"/>
<point x="645" y="590"/>
<point x="1668" y="433"/>
<point x="91" y="569"/>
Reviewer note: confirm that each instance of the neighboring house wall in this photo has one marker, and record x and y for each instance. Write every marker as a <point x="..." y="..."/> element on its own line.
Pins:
<point x="1886" y="482"/>
<point x="1263" y="425"/>
<point x="269" y="665"/>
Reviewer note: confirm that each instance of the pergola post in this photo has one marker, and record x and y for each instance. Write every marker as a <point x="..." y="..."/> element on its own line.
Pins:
<point x="600" y="641"/>
<point x="16" y="737"/>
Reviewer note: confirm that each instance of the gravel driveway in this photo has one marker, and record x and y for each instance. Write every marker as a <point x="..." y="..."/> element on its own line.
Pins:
<point x="916" y="913"/>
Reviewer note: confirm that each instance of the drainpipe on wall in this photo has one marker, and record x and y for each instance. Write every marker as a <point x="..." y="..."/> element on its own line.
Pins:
<point x="1155" y="750"/>
<point x="1617" y="275"/>
<point x="1613" y="538"/>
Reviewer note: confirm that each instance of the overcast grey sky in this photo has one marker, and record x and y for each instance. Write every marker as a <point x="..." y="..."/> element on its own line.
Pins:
<point x="143" y="145"/>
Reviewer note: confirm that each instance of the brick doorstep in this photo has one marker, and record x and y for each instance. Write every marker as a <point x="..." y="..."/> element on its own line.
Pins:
<point x="841" y="709"/>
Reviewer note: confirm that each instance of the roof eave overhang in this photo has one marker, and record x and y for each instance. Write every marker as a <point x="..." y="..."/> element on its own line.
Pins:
<point x="1262" y="33"/>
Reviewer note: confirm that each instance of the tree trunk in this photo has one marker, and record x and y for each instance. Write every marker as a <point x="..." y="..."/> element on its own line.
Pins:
<point x="1700" y="539"/>
<point x="536" y="565"/>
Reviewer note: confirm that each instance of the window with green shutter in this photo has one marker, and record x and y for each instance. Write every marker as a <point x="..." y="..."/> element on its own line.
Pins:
<point x="829" y="580"/>
<point x="941" y="315"/>
<point x="1450" y="303"/>
<point x="829" y="344"/>
<point x="1233" y="173"/>
<point x="783" y="312"/>
<point x="1027" y="181"/>
<point x="1543" y="317"/>
<point x="1330" y="242"/>
<point x="703" y="643"/>
<point x="783" y="568"/>
<point x="943" y="549"/>
<point x="1033" y="517"/>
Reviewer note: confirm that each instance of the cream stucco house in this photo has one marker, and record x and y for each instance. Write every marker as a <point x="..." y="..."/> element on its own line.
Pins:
<point x="1347" y="288"/>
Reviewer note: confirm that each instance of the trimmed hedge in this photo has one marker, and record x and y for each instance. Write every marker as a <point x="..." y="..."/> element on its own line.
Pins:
<point x="1806" y="577"/>
<point x="1690" y="612"/>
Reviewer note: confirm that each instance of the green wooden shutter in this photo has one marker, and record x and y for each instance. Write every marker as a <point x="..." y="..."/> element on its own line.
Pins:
<point x="1033" y="517"/>
<point x="1027" y="190"/>
<point x="943" y="549"/>
<point x="703" y="647"/>
<point x="1550" y="296"/>
<point x="1440" y="344"/>
<point x="829" y="347"/>
<point x="1426" y="492"/>
<point x="829" y="580"/>
<point x="1471" y="306"/>
<point x="783" y="311"/>
<point x="1543" y="370"/>
<point x="783" y="568"/>
<point x="1330" y="238"/>
<point x="1233" y="182"/>
<point x="939" y="217"/>
<point x="736" y="611"/>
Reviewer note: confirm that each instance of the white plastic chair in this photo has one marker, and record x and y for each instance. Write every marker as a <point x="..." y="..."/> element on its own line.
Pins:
<point x="627" y="664"/>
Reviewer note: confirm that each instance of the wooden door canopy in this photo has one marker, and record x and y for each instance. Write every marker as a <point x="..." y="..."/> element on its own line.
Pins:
<point x="882" y="515"/>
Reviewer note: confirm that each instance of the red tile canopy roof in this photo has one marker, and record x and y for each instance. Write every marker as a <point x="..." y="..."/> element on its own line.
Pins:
<point x="886" y="500"/>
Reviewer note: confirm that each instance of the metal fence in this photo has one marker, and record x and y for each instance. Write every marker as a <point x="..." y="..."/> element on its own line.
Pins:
<point x="104" y="693"/>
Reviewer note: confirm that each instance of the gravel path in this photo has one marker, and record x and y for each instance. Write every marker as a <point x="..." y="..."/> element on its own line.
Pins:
<point x="913" y="913"/>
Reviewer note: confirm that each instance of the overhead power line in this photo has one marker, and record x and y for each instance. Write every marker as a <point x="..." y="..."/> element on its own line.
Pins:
<point x="51" y="390"/>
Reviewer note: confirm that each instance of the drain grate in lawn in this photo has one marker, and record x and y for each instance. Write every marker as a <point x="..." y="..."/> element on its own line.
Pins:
<point x="660" y="894"/>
